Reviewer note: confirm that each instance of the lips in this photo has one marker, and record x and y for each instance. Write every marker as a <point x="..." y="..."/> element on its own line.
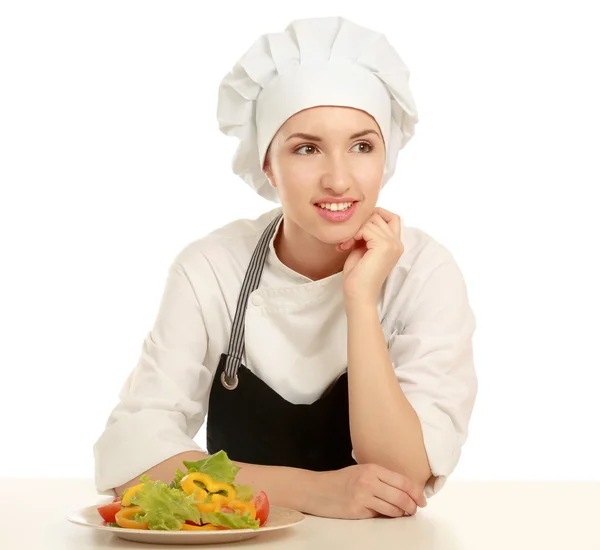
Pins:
<point x="337" y="216"/>
<point x="329" y="200"/>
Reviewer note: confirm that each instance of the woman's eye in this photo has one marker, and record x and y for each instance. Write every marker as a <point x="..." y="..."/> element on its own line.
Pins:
<point x="364" y="144"/>
<point x="311" y="147"/>
<point x="364" y="147"/>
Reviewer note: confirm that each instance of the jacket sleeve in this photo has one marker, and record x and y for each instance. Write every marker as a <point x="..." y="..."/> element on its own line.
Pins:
<point x="432" y="356"/>
<point x="163" y="402"/>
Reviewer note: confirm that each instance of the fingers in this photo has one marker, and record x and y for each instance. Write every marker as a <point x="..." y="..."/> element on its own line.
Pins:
<point x="373" y="228"/>
<point x="381" y="224"/>
<point x="393" y="220"/>
<point x="401" y="482"/>
<point x="385" y="508"/>
<point x="388" y="224"/>
<point x="385" y="214"/>
<point x="396" y="497"/>
<point x="346" y="245"/>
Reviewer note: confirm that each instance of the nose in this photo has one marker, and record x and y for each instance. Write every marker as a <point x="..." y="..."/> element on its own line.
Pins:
<point x="336" y="178"/>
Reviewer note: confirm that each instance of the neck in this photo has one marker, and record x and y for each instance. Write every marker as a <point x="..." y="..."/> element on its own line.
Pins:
<point x="305" y="254"/>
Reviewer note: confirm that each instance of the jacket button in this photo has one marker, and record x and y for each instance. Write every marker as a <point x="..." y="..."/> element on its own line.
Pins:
<point x="257" y="300"/>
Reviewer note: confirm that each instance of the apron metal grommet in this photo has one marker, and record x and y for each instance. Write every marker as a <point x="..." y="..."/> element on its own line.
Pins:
<point x="226" y="384"/>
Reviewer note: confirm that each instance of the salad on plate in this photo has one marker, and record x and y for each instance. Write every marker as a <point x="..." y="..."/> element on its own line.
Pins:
<point x="204" y="497"/>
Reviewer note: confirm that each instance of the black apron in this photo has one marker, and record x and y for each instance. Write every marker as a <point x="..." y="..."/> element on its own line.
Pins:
<point x="254" y="424"/>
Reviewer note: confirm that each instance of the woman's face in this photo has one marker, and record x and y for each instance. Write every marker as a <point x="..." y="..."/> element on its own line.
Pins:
<point x="340" y="154"/>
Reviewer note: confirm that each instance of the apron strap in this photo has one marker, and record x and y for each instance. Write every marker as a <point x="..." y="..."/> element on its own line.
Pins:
<point x="235" y="351"/>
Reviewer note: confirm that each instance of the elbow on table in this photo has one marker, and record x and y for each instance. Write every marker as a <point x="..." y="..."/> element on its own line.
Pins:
<point x="419" y="474"/>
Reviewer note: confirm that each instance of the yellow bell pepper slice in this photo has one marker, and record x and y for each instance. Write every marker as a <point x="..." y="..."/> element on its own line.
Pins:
<point x="129" y="493"/>
<point x="123" y="516"/>
<point x="243" y="506"/>
<point x="188" y="484"/>
<point x="222" y="500"/>
<point x="207" y="527"/>
<point x="209" y="506"/>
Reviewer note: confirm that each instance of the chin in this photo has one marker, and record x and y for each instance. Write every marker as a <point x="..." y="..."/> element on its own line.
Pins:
<point x="333" y="233"/>
<point x="334" y="237"/>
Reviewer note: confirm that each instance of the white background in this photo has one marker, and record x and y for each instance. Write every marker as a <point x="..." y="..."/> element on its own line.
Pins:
<point x="111" y="162"/>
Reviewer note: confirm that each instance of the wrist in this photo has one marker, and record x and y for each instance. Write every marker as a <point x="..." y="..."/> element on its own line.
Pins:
<point x="315" y="491"/>
<point x="360" y="305"/>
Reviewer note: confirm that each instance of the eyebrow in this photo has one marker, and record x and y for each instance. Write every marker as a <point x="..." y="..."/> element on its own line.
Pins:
<point x="310" y="137"/>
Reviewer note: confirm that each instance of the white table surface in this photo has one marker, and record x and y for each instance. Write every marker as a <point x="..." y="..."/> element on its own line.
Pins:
<point x="465" y="515"/>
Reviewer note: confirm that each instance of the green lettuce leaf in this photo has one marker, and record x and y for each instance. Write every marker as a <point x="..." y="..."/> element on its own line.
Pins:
<point x="176" y="483"/>
<point x="232" y="521"/>
<point x="243" y="492"/>
<point x="217" y="466"/>
<point x="164" y="508"/>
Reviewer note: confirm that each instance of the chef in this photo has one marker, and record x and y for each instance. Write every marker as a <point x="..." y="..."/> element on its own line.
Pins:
<point x="327" y="346"/>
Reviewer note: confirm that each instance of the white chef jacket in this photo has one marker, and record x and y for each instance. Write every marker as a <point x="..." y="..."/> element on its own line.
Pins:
<point x="295" y="341"/>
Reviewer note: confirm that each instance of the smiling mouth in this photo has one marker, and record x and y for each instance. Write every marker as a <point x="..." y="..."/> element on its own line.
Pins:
<point x="342" y="213"/>
<point x="335" y="206"/>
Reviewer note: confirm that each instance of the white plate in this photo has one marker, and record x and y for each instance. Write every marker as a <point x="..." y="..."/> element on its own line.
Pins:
<point x="279" y="518"/>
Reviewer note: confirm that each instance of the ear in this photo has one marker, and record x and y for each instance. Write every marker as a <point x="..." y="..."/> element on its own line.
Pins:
<point x="267" y="166"/>
<point x="269" y="174"/>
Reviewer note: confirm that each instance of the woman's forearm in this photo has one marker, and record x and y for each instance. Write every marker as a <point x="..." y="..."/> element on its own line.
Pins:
<point x="384" y="427"/>
<point x="289" y="487"/>
<point x="164" y="471"/>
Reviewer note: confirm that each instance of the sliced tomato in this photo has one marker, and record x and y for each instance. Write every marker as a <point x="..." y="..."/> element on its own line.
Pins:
<point x="109" y="510"/>
<point x="261" y="501"/>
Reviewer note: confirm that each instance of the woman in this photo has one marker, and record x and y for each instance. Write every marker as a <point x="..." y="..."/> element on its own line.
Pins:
<point x="330" y="348"/>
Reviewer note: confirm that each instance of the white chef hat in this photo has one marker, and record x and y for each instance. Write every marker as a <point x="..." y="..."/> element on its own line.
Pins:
<point x="315" y="61"/>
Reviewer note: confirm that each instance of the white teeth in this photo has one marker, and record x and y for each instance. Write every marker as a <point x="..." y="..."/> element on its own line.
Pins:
<point x="336" y="206"/>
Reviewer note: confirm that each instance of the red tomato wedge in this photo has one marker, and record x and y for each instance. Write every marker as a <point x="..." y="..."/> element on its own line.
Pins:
<point x="109" y="510"/>
<point x="261" y="501"/>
